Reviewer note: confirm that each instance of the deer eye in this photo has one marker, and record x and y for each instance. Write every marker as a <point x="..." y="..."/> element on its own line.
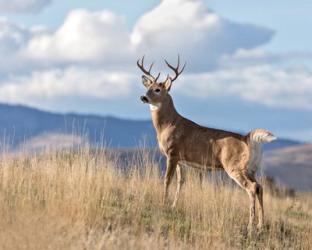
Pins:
<point x="157" y="90"/>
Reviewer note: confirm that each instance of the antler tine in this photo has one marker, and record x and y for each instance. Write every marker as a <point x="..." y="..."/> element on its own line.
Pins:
<point x="150" y="68"/>
<point x="157" y="77"/>
<point x="147" y="72"/>
<point x="179" y="65"/>
<point x="176" y="70"/>
<point x="183" y="68"/>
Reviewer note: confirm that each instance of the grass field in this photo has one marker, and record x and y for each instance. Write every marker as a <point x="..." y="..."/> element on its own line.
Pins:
<point x="82" y="201"/>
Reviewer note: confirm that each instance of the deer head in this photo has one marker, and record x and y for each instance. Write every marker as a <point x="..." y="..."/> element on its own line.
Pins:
<point x="157" y="92"/>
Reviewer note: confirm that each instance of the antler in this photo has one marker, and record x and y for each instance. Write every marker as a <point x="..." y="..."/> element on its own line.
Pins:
<point x="147" y="72"/>
<point x="176" y="70"/>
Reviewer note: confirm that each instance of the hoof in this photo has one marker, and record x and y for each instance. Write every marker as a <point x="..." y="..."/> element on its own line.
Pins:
<point x="260" y="227"/>
<point x="164" y="202"/>
<point x="251" y="230"/>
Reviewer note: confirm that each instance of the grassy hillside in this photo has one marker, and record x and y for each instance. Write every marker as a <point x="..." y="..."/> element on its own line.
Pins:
<point x="82" y="201"/>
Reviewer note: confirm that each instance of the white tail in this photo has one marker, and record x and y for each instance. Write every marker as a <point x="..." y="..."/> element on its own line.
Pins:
<point x="261" y="135"/>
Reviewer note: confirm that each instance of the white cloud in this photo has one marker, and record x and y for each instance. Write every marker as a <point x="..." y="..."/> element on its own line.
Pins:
<point x="200" y="35"/>
<point x="85" y="36"/>
<point x="264" y="84"/>
<point x="57" y="64"/>
<point x="22" y="5"/>
<point x="244" y="58"/>
<point x="12" y="36"/>
<point x="72" y="82"/>
<point x="88" y="38"/>
<point x="12" y="39"/>
<point x="102" y="38"/>
<point x="174" y="26"/>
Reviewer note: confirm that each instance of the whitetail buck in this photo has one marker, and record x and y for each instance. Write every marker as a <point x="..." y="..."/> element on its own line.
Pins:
<point x="186" y="143"/>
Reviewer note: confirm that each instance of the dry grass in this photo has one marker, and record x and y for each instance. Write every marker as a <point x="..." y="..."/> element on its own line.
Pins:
<point x="81" y="201"/>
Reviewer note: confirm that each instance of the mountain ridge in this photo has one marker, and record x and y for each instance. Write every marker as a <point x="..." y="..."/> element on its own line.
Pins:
<point x="19" y="123"/>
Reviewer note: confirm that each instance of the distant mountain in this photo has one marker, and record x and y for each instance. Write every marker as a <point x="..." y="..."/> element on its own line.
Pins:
<point x="21" y="125"/>
<point x="18" y="124"/>
<point x="48" y="142"/>
<point x="279" y="144"/>
<point x="290" y="167"/>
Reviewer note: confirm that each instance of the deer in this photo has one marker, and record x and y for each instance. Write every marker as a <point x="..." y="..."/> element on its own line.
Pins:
<point x="184" y="143"/>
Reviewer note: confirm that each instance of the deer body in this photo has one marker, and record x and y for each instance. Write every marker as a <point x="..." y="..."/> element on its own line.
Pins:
<point x="188" y="142"/>
<point x="185" y="143"/>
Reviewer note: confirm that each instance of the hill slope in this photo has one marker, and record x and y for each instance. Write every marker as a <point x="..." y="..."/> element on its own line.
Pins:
<point x="290" y="167"/>
<point x="81" y="201"/>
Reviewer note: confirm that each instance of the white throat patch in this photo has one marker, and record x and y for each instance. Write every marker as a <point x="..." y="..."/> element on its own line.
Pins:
<point x="154" y="107"/>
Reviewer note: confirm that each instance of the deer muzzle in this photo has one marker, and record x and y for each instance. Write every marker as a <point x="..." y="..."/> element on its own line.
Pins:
<point x="144" y="99"/>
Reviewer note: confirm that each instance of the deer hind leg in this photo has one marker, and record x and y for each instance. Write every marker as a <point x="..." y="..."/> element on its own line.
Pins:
<point x="251" y="187"/>
<point x="259" y="193"/>
<point x="180" y="181"/>
<point x="171" y="166"/>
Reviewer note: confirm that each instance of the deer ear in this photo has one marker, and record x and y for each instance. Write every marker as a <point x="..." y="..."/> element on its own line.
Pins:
<point x="168" y="84"/>
<point x="146" y="81"/>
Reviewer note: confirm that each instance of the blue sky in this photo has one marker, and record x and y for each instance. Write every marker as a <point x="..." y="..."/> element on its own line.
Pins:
<point x="249" y="62"/>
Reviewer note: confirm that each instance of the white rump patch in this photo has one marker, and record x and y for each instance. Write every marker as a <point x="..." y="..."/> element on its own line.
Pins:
<point x="154" y="107"/>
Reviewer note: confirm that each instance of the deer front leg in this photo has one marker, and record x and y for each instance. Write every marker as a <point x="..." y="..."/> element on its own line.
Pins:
<point x="171" y="166"/>
<point x="180" y="181"/>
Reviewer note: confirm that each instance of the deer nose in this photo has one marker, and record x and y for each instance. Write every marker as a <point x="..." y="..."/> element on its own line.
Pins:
<point x="144" y="99"/>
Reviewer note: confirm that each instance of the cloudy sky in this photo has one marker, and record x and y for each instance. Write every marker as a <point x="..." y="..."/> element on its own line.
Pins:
<point x="249" y="63"/>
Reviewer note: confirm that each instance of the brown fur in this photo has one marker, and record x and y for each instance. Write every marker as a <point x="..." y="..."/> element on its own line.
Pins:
<point x="186" y="143"/>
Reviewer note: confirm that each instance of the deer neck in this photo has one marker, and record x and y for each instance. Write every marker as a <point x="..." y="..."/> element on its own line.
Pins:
<point x="164" y="114"/>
